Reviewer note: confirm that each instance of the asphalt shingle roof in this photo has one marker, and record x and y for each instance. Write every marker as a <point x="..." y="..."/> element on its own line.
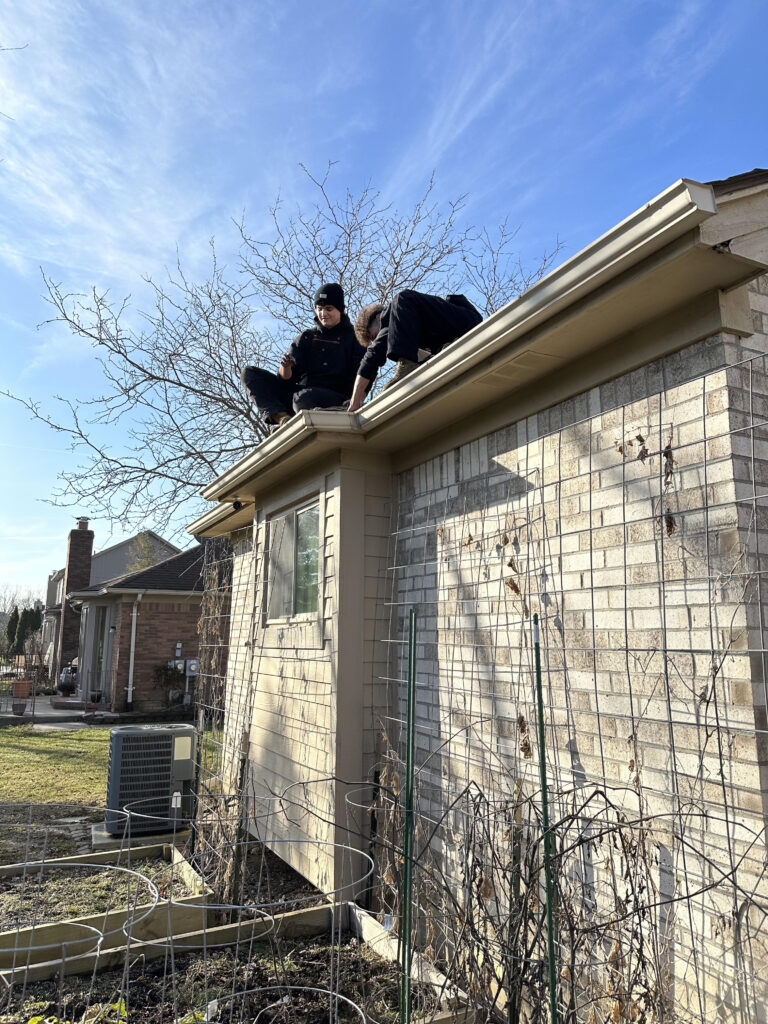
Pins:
<point x="182" y="572"/>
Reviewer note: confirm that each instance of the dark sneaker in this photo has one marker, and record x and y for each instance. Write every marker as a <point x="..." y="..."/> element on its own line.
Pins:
<point x="403" y="368"/>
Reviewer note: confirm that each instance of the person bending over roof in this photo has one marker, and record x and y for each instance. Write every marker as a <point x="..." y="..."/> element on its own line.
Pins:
<point x="318" y="370"/>
<point x="413" y="327"/>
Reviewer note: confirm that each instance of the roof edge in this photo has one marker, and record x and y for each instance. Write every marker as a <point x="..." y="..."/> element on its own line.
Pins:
<point x="667" y="217"/>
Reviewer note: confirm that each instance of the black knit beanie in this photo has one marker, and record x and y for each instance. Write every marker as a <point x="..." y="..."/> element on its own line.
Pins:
<point x="330" y="295"/>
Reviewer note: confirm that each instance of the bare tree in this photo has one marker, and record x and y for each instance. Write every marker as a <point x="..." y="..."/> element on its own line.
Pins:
<point x="171" y="375"/>
<point x="494" y="270"/>
<point x="366" y="245"/>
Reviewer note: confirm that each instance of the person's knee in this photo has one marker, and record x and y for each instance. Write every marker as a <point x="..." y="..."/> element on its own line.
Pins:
<point x="304" y="400"/>
<point x="247" y="375"/>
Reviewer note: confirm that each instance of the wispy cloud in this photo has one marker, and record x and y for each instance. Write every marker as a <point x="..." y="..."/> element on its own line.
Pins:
<point x="96" y="172"/>
<point x="527" y="87"/>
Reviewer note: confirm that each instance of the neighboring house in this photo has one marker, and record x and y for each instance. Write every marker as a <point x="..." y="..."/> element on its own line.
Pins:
<point x="132" y="626"/>
<point x="61" y="624"/>
<point x="594" y="453"/>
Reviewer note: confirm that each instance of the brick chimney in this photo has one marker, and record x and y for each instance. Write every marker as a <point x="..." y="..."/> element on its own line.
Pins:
<point x="77" y="576"/>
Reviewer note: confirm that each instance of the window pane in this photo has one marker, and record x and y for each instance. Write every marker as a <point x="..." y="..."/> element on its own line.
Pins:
<point x="280" y="576"/>
<point x="307" y="559"/>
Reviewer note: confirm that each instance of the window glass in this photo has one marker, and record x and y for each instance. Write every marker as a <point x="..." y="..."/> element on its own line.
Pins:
<point x="292" y="582"/>
<point x="307" y="523"/>
<point x="281" y="548"/>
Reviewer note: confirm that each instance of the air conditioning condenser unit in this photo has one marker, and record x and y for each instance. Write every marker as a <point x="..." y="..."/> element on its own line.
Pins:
<point x="152" y="774"/>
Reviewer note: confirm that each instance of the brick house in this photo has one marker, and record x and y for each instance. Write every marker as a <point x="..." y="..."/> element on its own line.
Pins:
<point x="132" y="626"/>
<point x="595" y="453"/>
<point x="83" y="567"/>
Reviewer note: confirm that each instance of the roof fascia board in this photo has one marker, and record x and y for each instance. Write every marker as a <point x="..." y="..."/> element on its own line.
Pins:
<point x="216" y="517"/>
<point x="325" y="426"/>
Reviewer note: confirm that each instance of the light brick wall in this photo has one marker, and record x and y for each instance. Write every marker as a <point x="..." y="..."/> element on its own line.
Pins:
<point x="631" y="519"/>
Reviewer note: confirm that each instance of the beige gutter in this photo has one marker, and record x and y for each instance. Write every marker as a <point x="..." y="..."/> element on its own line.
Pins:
<point x="87" y="596"/>
<point x="667" y="218"/>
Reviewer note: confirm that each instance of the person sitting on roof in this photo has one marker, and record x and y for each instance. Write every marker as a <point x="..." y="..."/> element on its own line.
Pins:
<point x="319" y="368"/>
<point x="413" y="327"/>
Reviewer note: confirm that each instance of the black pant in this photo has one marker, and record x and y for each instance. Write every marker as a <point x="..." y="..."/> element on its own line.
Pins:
<point x="275" y="397"/>
<point x="419" y="321"/>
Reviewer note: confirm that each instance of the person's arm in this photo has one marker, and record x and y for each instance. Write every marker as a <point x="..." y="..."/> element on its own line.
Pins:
<point x="291" y="359"/>
<point x="358" y="393"/>
<point x="373" y="359"/>
<point x="285" y="369"/>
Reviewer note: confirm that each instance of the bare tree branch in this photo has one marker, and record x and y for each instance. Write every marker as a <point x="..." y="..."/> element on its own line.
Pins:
<point x="172" y="374"/>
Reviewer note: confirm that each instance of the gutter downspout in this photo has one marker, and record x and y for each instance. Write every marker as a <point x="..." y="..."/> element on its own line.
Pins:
<point x="131" y="659"/>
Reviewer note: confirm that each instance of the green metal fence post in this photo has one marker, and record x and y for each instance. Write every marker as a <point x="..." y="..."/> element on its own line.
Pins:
<point x="545" y="824"/>
<point x="405" y="910"/>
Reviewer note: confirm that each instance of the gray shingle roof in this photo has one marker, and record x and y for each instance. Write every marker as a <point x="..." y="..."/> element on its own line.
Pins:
<point x="182" y="572"/>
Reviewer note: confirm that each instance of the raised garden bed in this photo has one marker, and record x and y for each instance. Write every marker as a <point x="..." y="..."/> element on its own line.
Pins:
<point x="47" y="893"/>
<point x="210" y="984"/>
<point x="186" y="961"/>
<point x="42" y="930"/>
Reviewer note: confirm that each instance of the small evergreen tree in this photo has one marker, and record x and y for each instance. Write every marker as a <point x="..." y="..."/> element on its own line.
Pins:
<point x="22" y="631"/>
<point x="10" y="629"/>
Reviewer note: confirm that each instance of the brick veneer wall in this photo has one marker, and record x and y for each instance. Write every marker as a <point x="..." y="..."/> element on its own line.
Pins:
<point x="161" y="622"/>
<point x="632" y="519"/>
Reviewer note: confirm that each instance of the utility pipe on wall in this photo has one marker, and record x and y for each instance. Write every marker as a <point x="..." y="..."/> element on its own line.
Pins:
<point x="134" y="617"/>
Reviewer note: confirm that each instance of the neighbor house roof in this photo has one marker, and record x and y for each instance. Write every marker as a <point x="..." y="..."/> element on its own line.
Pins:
<point x="144" y="533"/>
<point x="675" y="262"/>
<point x="180" y="573"/>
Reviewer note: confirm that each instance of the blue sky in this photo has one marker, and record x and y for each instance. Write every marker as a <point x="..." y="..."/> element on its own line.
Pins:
<point x="133" y="130"/>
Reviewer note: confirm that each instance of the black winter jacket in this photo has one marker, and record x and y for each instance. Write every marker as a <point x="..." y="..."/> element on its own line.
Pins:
<point x="327" y="357"/>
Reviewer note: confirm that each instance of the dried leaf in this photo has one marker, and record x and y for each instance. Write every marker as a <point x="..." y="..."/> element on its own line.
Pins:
<point x="512" y="564"/>
<point x="512" y="585"/>
<point x="640" y="438"/>
<point x="486" y="889"/>
<point x="669" y="523"/>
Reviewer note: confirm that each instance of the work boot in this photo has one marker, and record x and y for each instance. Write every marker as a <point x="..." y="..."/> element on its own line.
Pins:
<point x="403" y="368"/>
<point x="278" y="420"/>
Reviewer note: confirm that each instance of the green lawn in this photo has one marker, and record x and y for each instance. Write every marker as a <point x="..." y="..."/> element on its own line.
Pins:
<point x="45" y="767"/>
